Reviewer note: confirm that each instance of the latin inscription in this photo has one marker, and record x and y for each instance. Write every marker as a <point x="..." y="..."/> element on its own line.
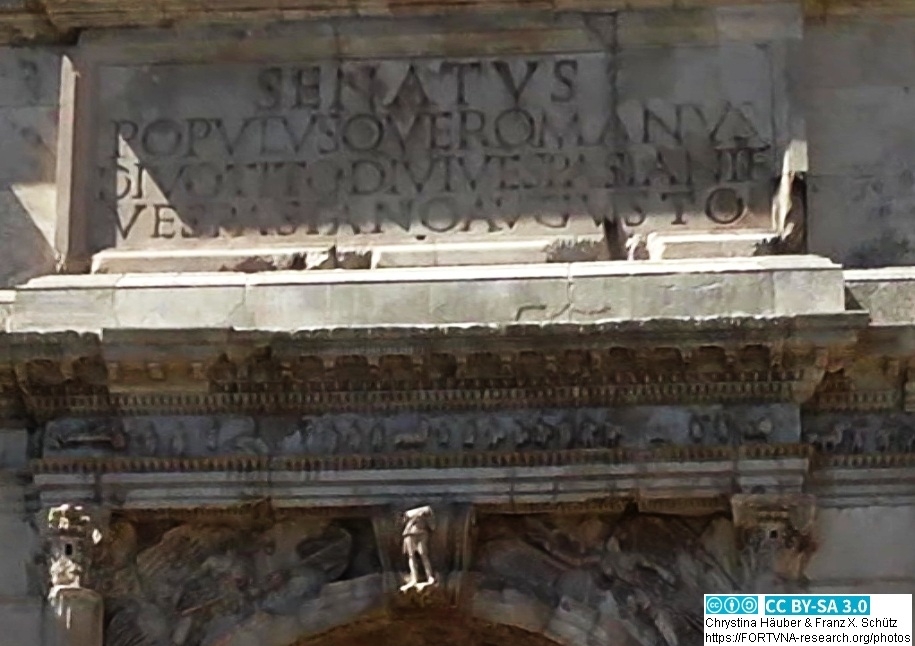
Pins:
<point x="423" y="149"/>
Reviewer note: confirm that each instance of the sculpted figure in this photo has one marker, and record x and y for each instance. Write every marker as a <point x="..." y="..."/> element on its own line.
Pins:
<point x="612" y="435"/>
<point x="759" y="431"/>
<point x="142" y="437"/>
<point x="319" y="435"/>
<point x="544" y="434"/>
<point x="696" y="428"/>
<point x="65" y="573"/>
<point x="498" y="435"/>
<point x="292" y="443"/>
<point x="587" y="434"/>
<point x="350" y="434"/>
<point x="413" y="439"/>
<point x="723" y="431"/>
<point x="832" y="440"/>
<point x="84" y="435"/>
<point x="565" y="428"/>
<point x="521" y="433"/>
<point x="212" y="436"/>
<point x="378" y="436"/>
<point x="442" y="432"/>
<point x="470" y="433"/>
<point x="235" y="434"/>
<point x="420" y="523"/>
<point x="177" y="445"/>
<point x="895" y="436"/>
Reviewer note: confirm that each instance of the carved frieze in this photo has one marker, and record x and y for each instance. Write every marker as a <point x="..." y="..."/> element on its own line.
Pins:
<point x="526" y="430"/>
<point x="854" y="433"/>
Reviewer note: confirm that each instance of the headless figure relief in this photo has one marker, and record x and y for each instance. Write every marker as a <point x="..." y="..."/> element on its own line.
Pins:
<point x="418" y="526"/>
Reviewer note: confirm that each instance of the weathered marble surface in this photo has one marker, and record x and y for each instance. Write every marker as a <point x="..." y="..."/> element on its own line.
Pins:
<point x="572" y="578"/>
<point x="851" y="432"/>
<point x="581" y="292"/>
<point x="858" y="103"/>
<point x="524" y="430"/>
<point x="611" y="579"/>
<point x="201" y="584"/>
<point x="425" y="134"/>
<point x="29" y="86"/>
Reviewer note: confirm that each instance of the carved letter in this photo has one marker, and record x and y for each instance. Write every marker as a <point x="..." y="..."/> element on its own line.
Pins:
<point x="163" y="226"/>
<point x="461" y="70"/>
<point x="515" y="89"/>
<point x="197" y="130"/>
<point x="162" y="138"/>
<point x="514" y="127"/>
<point x="410" y="92"/>
<point x="724" y="206"/>
<point x="565" y="72"/>
<point x="308" y="87"/>
<point x="270" y="84"/>
<point x="124" y="229"/>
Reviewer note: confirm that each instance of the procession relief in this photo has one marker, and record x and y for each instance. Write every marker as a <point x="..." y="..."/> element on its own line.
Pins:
<point x="359" y="434"/>
<point x="519" y="430"/>
<point x="850" y="433"/>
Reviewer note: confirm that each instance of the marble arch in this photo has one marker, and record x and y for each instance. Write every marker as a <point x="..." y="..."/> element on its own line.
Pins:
<point x="279" y="272"/>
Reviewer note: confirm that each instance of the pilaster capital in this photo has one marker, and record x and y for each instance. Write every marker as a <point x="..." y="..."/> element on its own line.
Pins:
<point x="775" y="532"/>
<point x="71" y="532"/>
<point x="784" y="514"/>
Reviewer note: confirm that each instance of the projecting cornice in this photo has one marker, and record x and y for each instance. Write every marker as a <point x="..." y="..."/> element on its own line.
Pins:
<point x="765" y="329"/>
<point x="59" y="20"/>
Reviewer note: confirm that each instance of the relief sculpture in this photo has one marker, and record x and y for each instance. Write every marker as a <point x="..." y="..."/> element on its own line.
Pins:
<point x="85" y="436"/>
<point x="867" y="433"/>
<point x="198" y="584"/>
<point x="360" y="433"/>
<point x="635" y="577"/>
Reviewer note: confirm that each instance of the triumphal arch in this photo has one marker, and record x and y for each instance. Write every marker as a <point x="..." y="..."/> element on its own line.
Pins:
<point x="346" y="323"/>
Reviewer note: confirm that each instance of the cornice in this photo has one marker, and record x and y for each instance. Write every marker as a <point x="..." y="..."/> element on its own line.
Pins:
<point x="446" y="368"/>
<point x="57" y="20"/>
<point x="53" y="20"/>
<point x="748" y="329"/>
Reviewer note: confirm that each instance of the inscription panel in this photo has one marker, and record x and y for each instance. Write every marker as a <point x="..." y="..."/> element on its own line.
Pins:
<point x="423" y="150"/>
